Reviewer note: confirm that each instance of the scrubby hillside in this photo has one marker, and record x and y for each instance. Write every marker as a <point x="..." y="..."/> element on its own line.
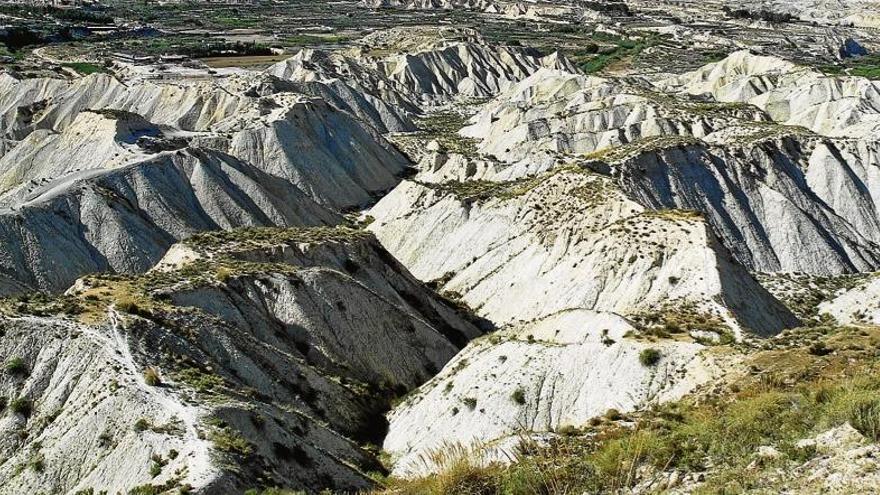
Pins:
<point x="585" y="278"/>
<point x="859" y="305"/>
<point x="395" y="74"/>
<point x="95" y="140"/>
<point x="538" y="379"/>
<point x="106" y="175"/>
<point x="568" y="239"/>
<point x="305" y="135"/>
<point x="799" y="416"/>
<point x="258" y="358"/>
<point x="742" y="160"/>
<point x="125" y="219"/>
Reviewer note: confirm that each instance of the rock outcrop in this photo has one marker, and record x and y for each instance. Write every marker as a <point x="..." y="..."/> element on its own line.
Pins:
<point x="857" y="306"/>
<point x="95" y="140"/>
<point x="464" y="69"/>
<point x="566" y="240"/>
<point x="554" y="113"/>
<point x="125" y="219"/>
<point x="739" y="162"/>
<point x="256" y="358"/>
<point x="537" y="379"/>
<point x="226" y="115"/>
<point x="749" y="191"/>
<point x="18" y="101"/>
<point x="396" y="73"/>
<point x="323" y="151"/>
<point x="106" y="175"/>
<point x="838" y="106"/>
<point x="352" y="85"/>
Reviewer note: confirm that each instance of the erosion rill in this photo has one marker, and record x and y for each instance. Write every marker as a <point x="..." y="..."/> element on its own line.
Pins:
<point x="479" y="247"/>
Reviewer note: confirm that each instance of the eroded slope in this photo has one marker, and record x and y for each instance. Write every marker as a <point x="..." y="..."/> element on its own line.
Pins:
<point x="269" y="366"/>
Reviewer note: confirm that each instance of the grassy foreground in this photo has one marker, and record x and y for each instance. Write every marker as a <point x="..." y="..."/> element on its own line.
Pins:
<point x="806" y="382"/>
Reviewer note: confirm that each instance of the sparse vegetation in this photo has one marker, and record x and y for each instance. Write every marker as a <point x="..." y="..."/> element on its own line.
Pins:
<point x="679" y="318"/>
<point x="156" y="465"/>
<point x="443" y="127"/>
<point x="85" y="68"/>
<point x="803" y="293"/>
<point x="203" y="381"/>
<point x="475" y="191"/>
<point x="21" y="406"/>
<point x="652" y="144"/>
<point x="790" y="395"/>
<point x="226" y="439"/>
<point x="37" y="463"/>
<point x="518" y="396"/>
<point x="39" y="304"/>
<point x="152" y="377"/>
<point x="243" y="240"/>
<point x="16" y="366"/>
<point x="131" y="305"/>
<point x="164" y="488"/>
<point x="649" y="357"/>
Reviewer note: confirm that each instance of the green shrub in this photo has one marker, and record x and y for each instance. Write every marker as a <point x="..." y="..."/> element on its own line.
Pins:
<point x="649" y="357"/>
<point x="151" y="377"/>
<point x="865" y="417"/>
<point x="518" y="396"/>
<point x="616" y="462"/>
<point x="37" y="464"/>
<point x="202" y="381"/>
<point x="105" y="439"/>
<point x="819" y="349"/>
<point x="224" y="274"/>
<point x="612" y="415"/>
<point x="16" y="366"/>
<point x="129" y="305"/>
<point x="157" y="464"/>
<point x="229" y="440"/>
<point x="21" y="406"/>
